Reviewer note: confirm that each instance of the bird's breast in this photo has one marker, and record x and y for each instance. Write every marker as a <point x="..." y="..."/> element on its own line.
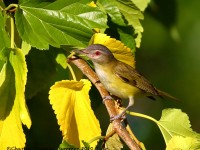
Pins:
<point x="114" y="84"/>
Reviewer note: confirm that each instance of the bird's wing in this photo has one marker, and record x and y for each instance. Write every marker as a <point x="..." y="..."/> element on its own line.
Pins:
<point x="130" y="76"/>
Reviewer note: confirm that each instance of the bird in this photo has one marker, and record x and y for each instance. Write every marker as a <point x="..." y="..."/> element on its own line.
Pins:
<point x="119" y="78"/>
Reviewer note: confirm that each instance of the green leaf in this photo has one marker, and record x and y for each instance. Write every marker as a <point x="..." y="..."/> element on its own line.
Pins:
<point x="6" y="79"/>
<point x="2" y="4"/>
<point x="59" y="23"/>
<point x="141" y="4"/>
<point x="112" y="10"/>
<point x="133" y="15"/>
<point x="4" y="39"/>
<point x="127" y="38"/>
<point x="25" y="47"/>
<point x="62" y="60"/>
<point x="12" y="104"/>
<point x="175" y="123"/>
<point x="132" y="11"/>
<point x="17" y="60"/>
<point x="86" y="145"/>
<point x="4" y="54"/>
<point x="9" y="116"/>
<point x="183" y="143"/>
<point x="65" y="144"/>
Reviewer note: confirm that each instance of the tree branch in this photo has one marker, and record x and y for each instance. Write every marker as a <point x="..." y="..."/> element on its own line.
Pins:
<point x="110" y="105"/>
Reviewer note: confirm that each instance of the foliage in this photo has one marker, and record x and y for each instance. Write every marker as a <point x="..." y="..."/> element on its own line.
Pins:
<point x="13" y="107"/>
<point x="179" y="142"/>
<point x="60" y="23"/>
<point x="59" y="27"/>
<point x="71" y="103"/>
<point x="175" y="127"/>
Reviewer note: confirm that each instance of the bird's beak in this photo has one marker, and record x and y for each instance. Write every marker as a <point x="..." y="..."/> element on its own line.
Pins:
<point x="81" y="51"/>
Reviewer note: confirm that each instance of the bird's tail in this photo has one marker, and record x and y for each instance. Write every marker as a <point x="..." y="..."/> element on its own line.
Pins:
<point x="164" y="94"/>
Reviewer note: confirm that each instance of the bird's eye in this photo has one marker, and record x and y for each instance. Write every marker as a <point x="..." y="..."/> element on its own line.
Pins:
<point x="97" y="53"/>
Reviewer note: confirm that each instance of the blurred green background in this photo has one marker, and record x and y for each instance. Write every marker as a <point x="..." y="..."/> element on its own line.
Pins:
<point x="169" y="57"/>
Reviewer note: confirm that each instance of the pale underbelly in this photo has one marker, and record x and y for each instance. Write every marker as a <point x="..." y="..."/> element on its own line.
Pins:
<point x="119" y="88"/>
<point x="122" y="90"/>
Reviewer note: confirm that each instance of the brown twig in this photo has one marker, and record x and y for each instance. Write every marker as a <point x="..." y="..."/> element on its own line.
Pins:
<point x="110" y="105"/>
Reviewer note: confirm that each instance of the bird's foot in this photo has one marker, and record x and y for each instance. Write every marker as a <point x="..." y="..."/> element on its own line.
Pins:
<point x="105" y="98"/>
<point x="121" y="116"/>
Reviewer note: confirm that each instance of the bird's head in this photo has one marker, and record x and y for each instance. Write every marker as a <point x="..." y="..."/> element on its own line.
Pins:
<point x="97" y="53"/>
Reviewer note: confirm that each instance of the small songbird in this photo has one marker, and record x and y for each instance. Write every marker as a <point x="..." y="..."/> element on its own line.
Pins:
<point x="119" y="78"/>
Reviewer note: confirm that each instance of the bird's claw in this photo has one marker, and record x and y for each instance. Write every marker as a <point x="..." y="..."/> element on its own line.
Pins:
<point x="121" y="116"/>
<point x="105" y="98"/>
